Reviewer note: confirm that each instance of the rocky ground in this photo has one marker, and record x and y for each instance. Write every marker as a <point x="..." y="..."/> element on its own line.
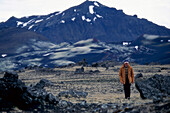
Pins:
<point x="98" y="88"/>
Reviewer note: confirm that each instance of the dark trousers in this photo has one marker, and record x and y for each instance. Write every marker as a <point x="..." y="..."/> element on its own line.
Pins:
<point x="127" y="88"/>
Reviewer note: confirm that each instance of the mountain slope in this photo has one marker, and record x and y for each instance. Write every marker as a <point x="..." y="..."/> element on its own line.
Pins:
<point x="88" y="20"/>
<point x="12" y="38"/>
<point x="47" y="54"/>
<point x="159" y="49"/>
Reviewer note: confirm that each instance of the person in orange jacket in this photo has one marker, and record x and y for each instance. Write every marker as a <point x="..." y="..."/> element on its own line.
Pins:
<point x="126" y="76"/>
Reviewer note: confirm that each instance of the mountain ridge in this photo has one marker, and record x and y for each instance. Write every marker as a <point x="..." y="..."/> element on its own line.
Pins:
<point x="11" y="38"/>
<point x="88" y="31"/>
<point x="88" y="20"/>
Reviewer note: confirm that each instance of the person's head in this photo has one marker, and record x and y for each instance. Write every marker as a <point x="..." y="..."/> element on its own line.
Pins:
<point x="126" y="63"/>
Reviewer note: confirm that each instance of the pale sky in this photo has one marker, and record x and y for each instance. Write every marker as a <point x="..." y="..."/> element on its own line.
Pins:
<point x="157" y="11"/>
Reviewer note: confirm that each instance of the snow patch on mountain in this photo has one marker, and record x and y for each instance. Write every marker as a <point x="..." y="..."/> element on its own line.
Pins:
<point x="73" y="18"/>
<point x="35" y="60"/>
<point x="150" y="37"/>
<point x="58" y="13"/>
<point x="62" y="21"/>
<point x="94" y="18"/>
<point x="83" y="17"/>
<point x="99" y="16"/>
<point x="31" y="26"/>
<point x="62" y="62"/>
<point x="37" y="21"/>
<point x="87" y="19"/>
<point x="29" y="22"/>
<point x="42" y="44"/>
<point x="73" y="51"/>
<point x="81" y="50"/>
<point x="31" y="62"/>
<point x="46" y="54"/>
<point x="21" y="49"/>
<point x="59" y="55"/>
<point x="136" y="47"/>
<point x="96" y="4"/>
<point x="125" y="43"/>
<point x="19" y="23"/>
<point x="4" y="55"/>
<point x="63" y="14"/>
<point x="49" y="17"/>
<point x="84" y="42"/>
<point x="91" y="10"/>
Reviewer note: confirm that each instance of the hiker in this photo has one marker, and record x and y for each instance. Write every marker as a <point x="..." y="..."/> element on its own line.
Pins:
<point x="126" y="76"/>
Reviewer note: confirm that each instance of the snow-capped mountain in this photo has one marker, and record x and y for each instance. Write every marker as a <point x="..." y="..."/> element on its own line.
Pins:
<point x="88" y="20"/>
<point x="90" y="30"/>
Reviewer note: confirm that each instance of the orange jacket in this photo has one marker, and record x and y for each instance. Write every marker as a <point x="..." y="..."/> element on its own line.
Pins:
<point x="122" y="75"/>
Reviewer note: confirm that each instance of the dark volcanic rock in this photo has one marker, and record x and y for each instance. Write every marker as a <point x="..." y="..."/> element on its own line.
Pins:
<point x="43" y="83"/>
<point x="11" y="89"/>
<point x="63" y="104"/>
<point x="79" y="70"/>
<point x="138" y="75"/>
<point x="95" y="71"/>
<point x="73" y="93"/>
<point x="10" y="76"/>
<point x="82" y="63"/>
<point x="148" y="108"/>
<point x="52" y="99"/>
<point x="95" y="65"/>
<point x="14" y="92"/>
<point x="154" y="88"/>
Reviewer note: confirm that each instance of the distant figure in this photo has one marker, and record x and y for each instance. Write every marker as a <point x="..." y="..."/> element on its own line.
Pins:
<point x="126" y="76"/>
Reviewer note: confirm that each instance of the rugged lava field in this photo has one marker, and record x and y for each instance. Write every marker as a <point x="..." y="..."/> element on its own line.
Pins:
<point x="102" y="87"/>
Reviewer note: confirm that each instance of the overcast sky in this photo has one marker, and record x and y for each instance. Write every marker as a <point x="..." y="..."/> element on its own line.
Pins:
<point x="157" y="11"/>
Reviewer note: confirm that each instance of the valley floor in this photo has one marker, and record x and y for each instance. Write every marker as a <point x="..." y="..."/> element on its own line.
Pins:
<point x="102" y="87"/>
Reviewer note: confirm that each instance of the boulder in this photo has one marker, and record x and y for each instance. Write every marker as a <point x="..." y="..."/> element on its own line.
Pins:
<point x="10" y="76"/>
<point x="79" y="70"/>
<point x="52" y="99"/>
<point x="63" y="104"/>
<point x="73" y="93"/>
<point x="156" y="87"/>
<point x="43" y="83"/>
<point x="95" y="71"/>
<point x="15" y="92"/>
<point x="95" y="65"/>
<point x="11" y="90"/>
<point x="138" y="75"/>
